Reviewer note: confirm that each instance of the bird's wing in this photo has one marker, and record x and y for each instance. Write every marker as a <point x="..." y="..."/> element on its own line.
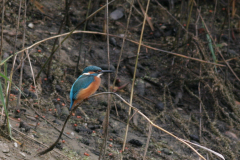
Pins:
<point x="82" y="82"/>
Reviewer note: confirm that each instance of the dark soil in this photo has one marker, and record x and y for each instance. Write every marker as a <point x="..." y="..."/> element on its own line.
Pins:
<point x="169" y="89"/>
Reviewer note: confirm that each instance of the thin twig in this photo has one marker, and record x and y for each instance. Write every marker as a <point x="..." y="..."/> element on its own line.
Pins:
<point x="217" y="48"/>
<point x="12" y="70"/>
<point x="148" y="139"/>
<point x="22" y="59"/>
<point x="59" y="31"/>
<point x="134" y="76"/>
<point x="151" y="123"/>
<point x="106" y="120"/>
<point x="3" y="11"/>
<point x="91" y="32"/>
<point x="68" y="35"/>
<point x="81" y="43"/>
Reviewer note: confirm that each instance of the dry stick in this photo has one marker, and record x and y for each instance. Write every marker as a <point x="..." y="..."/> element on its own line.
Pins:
<point x="59" y="31"/>
<point x="214" y="13"/>
<point x="22" y="60"/>
<point x="171" y="15"/>
<point x="148" y="139"/>
<point x="106" y="119"/>
<point x="81" y="43"/>
<point x="34" y="82"/>
<point x="124" y="38"/>
<point x="3" y="11"/>
<point x="90" y="32"/>
<point x="200" y="107"/>
<point x="14" y="61"/>
<point x="199" y="88"/>
<point x="134" y="77"/>
<point x="228" y="12"/>
<point x="59" y="137"/>
<point x="151" y="123"/>
<point x="70" y="33"/>
<point x="217" y="48"/>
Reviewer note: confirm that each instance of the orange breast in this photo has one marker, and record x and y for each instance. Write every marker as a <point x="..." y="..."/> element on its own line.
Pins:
<point x="92" y="88"/>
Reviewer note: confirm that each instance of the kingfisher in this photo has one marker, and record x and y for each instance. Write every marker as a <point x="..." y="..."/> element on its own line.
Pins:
<point x="86" y="84"/>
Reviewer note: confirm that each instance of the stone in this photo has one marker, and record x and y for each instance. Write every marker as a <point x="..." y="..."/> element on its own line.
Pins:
<point x="4" y="147"/>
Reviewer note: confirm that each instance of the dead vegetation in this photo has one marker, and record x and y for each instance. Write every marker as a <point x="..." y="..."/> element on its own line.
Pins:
<point x="179" y="68"/>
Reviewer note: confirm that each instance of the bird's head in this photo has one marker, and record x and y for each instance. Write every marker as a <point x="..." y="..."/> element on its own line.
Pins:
<point x="94" y="70"/>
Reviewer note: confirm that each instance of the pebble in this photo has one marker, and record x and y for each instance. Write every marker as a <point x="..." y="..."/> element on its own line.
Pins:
<point x="135" y="142"/>
<point x="58" y="88"/>
<point x="65" y="111"/>
<point x="24" y="126"/>
<point x="113" y="41"/>
<point x="159" y="106"/>
<point x="194" y="138"/>
<point x="105" y="67"/>
<point x="5" y="55"/>
<point x="140" y="87"/>
<point x="31" y="25"/>
<point x="4" y="147"/>
<point x="117" y="14"/>
<point x="15" y="144"/>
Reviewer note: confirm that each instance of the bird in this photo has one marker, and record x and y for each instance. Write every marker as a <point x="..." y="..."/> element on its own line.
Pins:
<point x="86" y="84"/>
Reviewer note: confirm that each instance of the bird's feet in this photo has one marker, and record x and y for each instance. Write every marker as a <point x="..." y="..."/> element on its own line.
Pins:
<point x="86" y="99"/>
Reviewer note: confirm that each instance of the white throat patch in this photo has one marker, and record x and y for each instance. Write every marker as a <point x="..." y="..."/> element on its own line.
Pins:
<point x="86" y="74"/>
<point x="99" y="75"/>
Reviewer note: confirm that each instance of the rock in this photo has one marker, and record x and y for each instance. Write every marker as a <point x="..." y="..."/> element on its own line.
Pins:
<point x="65" y="112"/>
<point x="32" y="95"/>
<point x="59" y="146"/>
<point x="93" y="127"/>
<point x="105" y="67"/>
<point x="56" y="121"/>
<point x="157" y="34"/>
<point x="136" y="142"/>
<point x="232" y="135"/>
<point x="58" y="88"/>
<point x="232" y="52"/>
<point x="57" y="106"/>
<point x="117" y="14"/>
<point x="140" y="87"/>
<point x="28" y="94"/>
<point x="159" y="107"/>
<point x="4" y="147"/>
<point x="31" y="25"/>
<point x="83" y="129"/>
<point x="14" y="91"/>
<point x="86" y="141"/>
<point x="178" y="97"/>
<point x="167" y="151"/>
<point x="25" y="126"/>
<point x="28" y="73"/>
<point x="5" y="55"/>
<point x="131" y="70"/>
<point x="194" y="138"/>
<point x="113" y="41"/>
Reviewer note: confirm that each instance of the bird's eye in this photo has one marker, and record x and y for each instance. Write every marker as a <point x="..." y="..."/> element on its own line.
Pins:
<point x="98" y="71"/>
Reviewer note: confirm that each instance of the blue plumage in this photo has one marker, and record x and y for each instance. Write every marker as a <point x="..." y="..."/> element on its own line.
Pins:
<point x="83" y="82"/>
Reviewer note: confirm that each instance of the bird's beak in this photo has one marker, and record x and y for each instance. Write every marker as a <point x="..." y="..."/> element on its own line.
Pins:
<point x="106" y="71"/>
